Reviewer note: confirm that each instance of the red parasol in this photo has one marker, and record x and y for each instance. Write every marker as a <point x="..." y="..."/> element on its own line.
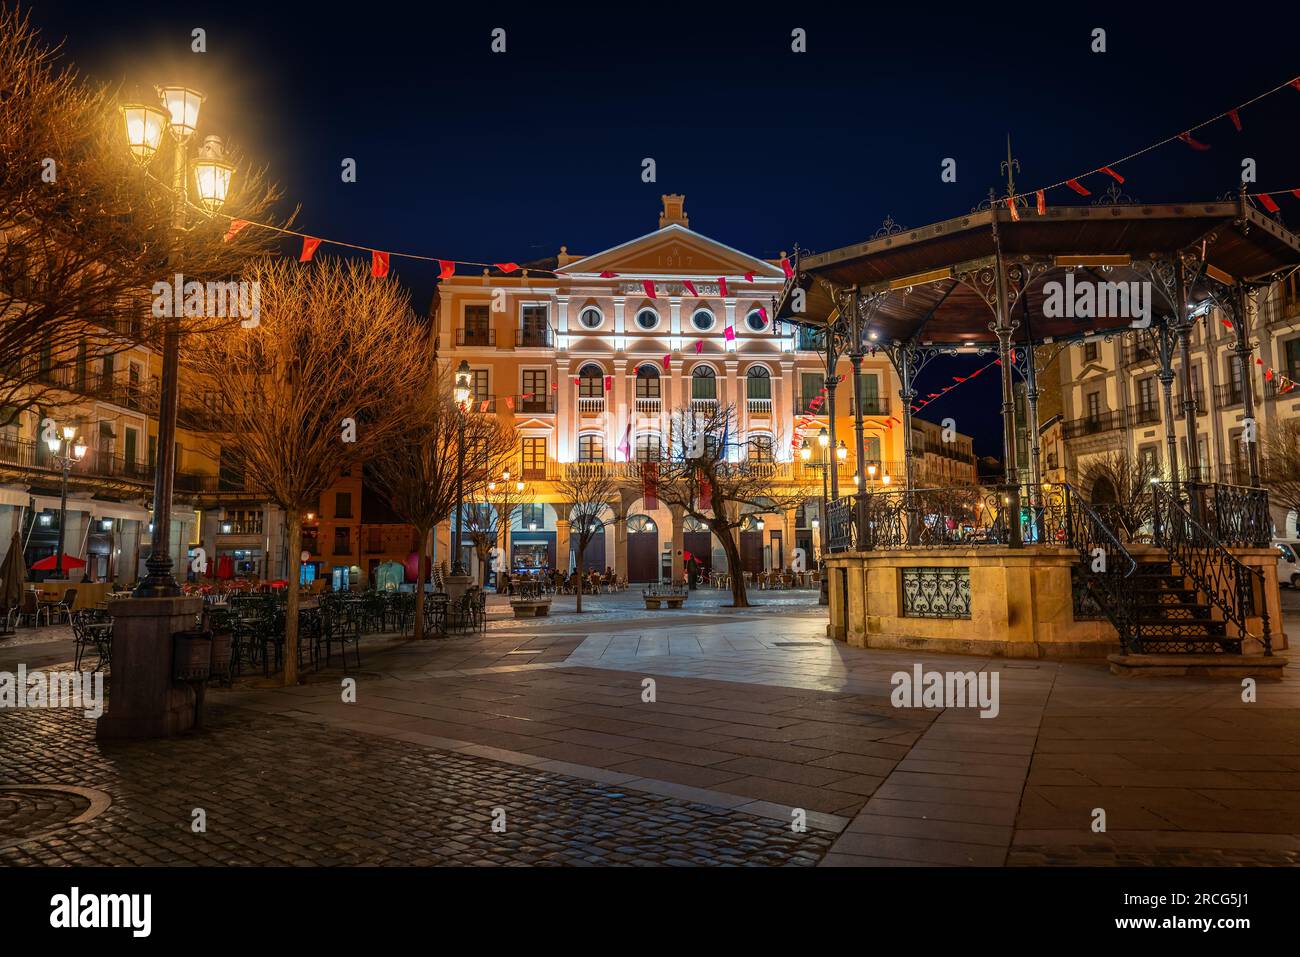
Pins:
<point x="225" y="567"/>
<point x="49" y="562"/>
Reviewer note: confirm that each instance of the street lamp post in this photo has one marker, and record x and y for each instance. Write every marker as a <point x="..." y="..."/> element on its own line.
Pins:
<point x="65" y="452"/>
<point x="462" y="399"/>
<point x="144" y="129"/>
<point x="805" y="453"/>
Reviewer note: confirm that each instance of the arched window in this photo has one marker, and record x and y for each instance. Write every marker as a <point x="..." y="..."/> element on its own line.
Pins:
<point x="640" y="523"/>
<point x="758" y="383"/>
<point x="647" y="319"/>
<point x="647" y="382"/>
<point x="703" y="320"/>
<point x="590" y="318"/>
<point x="591" y="381"/>
<point x="591" y="447"/>
<point x="756" y="321"/>
<point x="760" y="448"/>
<point x="693" y="524"/>
<point x="704" y="384"/>
<point x="649" y="448"/>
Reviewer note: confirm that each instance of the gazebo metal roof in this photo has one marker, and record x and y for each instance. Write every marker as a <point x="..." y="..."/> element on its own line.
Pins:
<point x="924" y="274"/>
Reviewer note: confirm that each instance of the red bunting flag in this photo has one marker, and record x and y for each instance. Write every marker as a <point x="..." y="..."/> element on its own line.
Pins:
<point x="1192" y="141"/>
<point x="667" y="358"/>
<point x="1268" y="375"/>
<point x="235" y="226"/>
<point x="1078" y="187"/>
<point x="309" y="246"/>
<point x="1112" y="174"/>
<point x="762" y="312"/>
<point x="378" y="264"/>
<point x="1042" y="202"/>
<point x="888" y="424"/>
<point x="729" y="333"/>
<point x="649" y="288"/>
<point x="787" y="268"/>
<point x="699" y="346"/>
<point x="749" y="277"/>
<point x="606" y="274"/>
<point x="722" y="285"/>
<point x="483" y="406"/>
<point x="1296" y="83"/>
<point x="446" y="269"/>
<point x="958" y="378"/>
<point x="1236" y="120"/>
<point x="609" y="383"/>
<point x="932" y="395"/>
<point x="507" y="267"/>
<point x="1011" y="205"/>
<point x="1259" y="362"/>
<point x="690" y="287"/>
<point x="1268" y="202"/>
<point x="510" y="402"/>
<point x="555" y="387"/>
<point x="706" y="494"/>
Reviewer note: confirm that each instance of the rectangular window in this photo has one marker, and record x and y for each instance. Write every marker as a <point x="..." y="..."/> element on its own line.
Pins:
<point x="535" y="390"/>
<point x="647" y="383"/>
<point x="530" y="515"/>
<point x="869" y="389"/>
<point x="1090" y="352"/>
<point x="1293" y="359"/>
<point x="760" y="449"/>
<point x="534" y="326"/>
<point x="342" y="540"/>
<point x="1094" y="406"/>
<point x="342" y="504"/>
<point x="810" y="386"/>
<point x="1149" y="455"/>
<point x="591" y="448"/>
<point x="649" y="448"/>
<point x="479" y="384"/>
<point x="1147" y="394"/>
<point x="478" y="325"/>
<point x="591" y="383"/>
<point x="533" y="455"/>
<point x="758" y="385"/>
<point x="704" y="386"/>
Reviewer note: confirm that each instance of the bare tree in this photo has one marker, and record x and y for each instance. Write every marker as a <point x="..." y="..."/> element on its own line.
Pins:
<point x="490" y="509"/>
<point x="586" y="491"/>
<point x="718" y="478"/>
<point x="85" y="233"/>
<point x="1280" y="464"/>
<point x="1119" y="486"/>
<point x="417" y="470"/>
<point x="310" y="391"/>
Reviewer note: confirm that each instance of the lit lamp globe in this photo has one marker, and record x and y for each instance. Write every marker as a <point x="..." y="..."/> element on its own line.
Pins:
<point x="144" y="130"/>
<point x="842" y="451"/>
<point x="805" y="451"/>
<point x="823" y="438"/>
<point x="462" y="383"/>
<point x="212" y="175"/>
<point x="79" y="451"/>
<point x="182" y="106"/>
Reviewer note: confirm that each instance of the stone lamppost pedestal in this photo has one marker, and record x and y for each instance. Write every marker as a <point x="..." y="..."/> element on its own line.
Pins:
<point x="144" y="700"/>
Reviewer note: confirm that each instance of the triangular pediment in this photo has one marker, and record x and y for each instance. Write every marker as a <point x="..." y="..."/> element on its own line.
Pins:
<point x="673" y="251"/>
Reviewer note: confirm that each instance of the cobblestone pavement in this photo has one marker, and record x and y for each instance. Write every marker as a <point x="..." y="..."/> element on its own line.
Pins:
<point x="277" y="791"/>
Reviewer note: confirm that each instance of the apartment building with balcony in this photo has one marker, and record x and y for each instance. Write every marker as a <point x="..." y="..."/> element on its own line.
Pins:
<point x="586" y="366"/>
<point x="1112" y="398"/>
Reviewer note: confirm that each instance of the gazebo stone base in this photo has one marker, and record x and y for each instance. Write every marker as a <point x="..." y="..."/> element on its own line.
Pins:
<point x="1198" y="666"/>
<point x="990" y="647"/>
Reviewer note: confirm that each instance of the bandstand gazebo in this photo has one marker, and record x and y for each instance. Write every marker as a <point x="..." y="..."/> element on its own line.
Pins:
<point x="1027" y="568"/>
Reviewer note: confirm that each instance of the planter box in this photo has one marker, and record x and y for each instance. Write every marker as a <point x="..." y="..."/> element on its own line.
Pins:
<point x="531" y="607"/>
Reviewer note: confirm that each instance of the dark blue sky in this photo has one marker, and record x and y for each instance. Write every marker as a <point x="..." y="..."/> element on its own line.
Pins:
<point x="467" y="154"/>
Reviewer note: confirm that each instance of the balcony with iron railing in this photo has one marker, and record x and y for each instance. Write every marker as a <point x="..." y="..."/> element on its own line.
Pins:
<point x="872" y="405"/>
<point x="536" y="404"/>
<point x="1234" y="473"/>
<point x="533" y="337"/>
<point x="804" y="404"/>
<point x="476" y="336"/>
<point x="1145" y="414"/>
<point x="1092" y="424"/>
<point x="117" y="389"/>
<point x="1138" y="353"/>
<point x="34" y="458"/>
<point x="704" y="403"/>
<point x="1227" y="395"/>
<point x="1277" y="388"/>
<point x="248" y="527"/>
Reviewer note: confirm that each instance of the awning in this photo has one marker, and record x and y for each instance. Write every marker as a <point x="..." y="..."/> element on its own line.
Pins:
<point x="15" y="497"/>
<point x="125" y="511"/>
<point x="51" y="502"/>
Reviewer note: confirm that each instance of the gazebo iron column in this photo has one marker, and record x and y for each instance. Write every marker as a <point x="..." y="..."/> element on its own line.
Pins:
<point x="1165" y="351"/>
<point x="830" y="380"/>
<point x="1003" y="327"/>
<point x="1031" y="422"/>
<point x="1249" y="425"/>
<point x="1183" y="326"/>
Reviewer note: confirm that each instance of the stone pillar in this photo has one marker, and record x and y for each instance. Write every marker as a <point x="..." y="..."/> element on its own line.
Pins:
<point x="146" y="702"/>
<point x="562" y="546"/>
<point x="620" y="536"/>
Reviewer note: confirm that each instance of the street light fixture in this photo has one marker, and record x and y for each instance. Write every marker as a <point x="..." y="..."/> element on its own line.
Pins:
<point x="461" y="394"/>
<point x="64" y="453"/>
<point x="144" y="126"/>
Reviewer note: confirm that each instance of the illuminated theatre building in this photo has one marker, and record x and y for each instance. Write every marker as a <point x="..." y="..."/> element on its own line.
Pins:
<point x="587" y="368"/>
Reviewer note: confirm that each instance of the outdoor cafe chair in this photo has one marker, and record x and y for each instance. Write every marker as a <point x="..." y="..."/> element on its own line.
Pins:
<point x="33" y="609"/>
<point x="341" y="622"/>
<point x="63" y="608"/>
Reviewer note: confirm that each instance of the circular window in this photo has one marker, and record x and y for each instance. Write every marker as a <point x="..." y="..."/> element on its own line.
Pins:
<point x="647" y="319"/>
<point x="591" y="318"/>
<point x="756" y="321"/>
<point x="703" y="320"/>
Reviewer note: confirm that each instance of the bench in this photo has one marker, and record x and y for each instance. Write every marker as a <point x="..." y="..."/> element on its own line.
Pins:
<point x="655" y="598"/>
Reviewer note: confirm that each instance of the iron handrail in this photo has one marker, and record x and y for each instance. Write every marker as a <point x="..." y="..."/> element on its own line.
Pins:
<point x="1112" y="586"/>
<point x="1227" y="582"/>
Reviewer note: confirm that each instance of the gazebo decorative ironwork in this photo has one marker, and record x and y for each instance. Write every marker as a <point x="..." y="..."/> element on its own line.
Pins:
<point x="981" y="283"/>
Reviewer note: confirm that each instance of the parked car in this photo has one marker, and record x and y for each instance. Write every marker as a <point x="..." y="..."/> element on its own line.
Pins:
<point x="1288" y="563"/>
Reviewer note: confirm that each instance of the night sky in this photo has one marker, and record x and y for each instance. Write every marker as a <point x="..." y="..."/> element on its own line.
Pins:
<point x="467" y="154"/>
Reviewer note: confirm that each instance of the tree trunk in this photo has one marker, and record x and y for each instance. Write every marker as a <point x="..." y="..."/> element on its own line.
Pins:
<point x="581" y="550"/>
<point x="739" y="598"/>
<point x="290" y="673"/>
<point x="421" y="570"/>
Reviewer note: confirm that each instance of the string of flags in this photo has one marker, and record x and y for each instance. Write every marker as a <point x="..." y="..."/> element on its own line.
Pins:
<point x="1075" y="183"/>
<point x="957" y="380"/>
